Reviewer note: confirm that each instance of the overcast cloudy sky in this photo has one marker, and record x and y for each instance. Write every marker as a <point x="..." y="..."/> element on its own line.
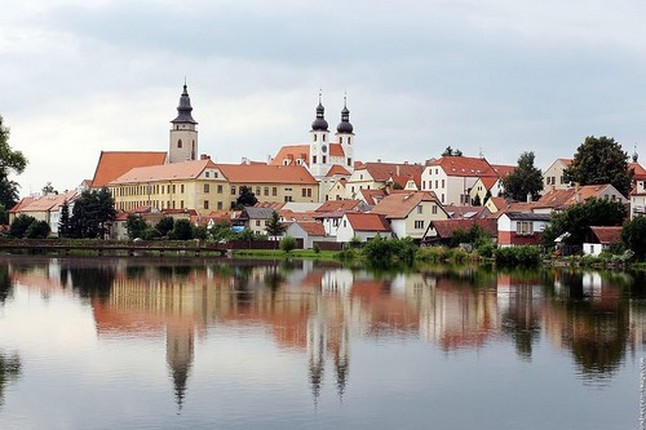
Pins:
<point x="500" y="76"/>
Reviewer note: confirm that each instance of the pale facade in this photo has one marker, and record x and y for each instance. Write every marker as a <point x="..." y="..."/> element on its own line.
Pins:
<point x="417" y="221"/>
<point x="553" y="177"/>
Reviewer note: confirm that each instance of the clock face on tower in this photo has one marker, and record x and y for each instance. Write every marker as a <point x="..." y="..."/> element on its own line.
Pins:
<point x="324" y="148"/>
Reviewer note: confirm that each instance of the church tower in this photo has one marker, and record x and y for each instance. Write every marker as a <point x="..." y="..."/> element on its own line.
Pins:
<point x="345" y="135"/>
<point x="319" y="143"/>
<point x="183" y="135"/>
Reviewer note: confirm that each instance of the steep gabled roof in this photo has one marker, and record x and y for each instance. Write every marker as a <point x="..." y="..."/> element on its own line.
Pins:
<point x="607" y="235"/>
<point x="312" y="228"/>
<point x="361" y="221"/>
<point x="640" y="172"/>
<point x="488" y="182"/>
<point x="381" y="172"/>
<point x="464" y="166"/>
<point x="292" y="153"/>
<point x="113" y="164"/>
<point x="164" y="172"/>
<point x="372" y="197"/>
<point x="447" y="227"/>
<point x="400" y="203"/>
<point x="337" y="170"/>
<point x="336" y="150"/>
<point x="267" y="174"/>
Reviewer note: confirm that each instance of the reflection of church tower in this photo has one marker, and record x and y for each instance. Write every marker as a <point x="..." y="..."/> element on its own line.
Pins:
<point x="179" y="357"/>
<point x="183" y="135"/>
<point x="316" y="351"/>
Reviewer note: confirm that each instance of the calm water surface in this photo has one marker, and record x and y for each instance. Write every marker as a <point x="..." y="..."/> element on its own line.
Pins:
<point x="221" y="344"/>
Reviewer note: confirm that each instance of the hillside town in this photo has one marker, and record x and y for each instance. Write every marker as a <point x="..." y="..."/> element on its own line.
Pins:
<point x="323" y="194"/>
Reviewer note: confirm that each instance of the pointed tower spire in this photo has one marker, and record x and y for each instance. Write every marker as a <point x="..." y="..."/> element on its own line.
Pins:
<point x="184" y="109"/>
<point x="320" y="124"/>
<point x="635" y="154"/>
<point x="183" y="134"/>
<point x="345" y="126"/>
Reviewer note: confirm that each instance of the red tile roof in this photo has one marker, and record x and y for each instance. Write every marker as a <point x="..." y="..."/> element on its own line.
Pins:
<point x="46" y="203"/>
<point x="381" y="172"/>
<point x="372" y="197"/>
<point x="446" y="228"/>
<point x="312" y="228"/>
<point x="337" y="170"/>
<point x="464" y="166"/>
<point x="339" y="205"/>
<point x="267" y="174"/>
<point x="488" y="182"/>
<point x="164" y="172"/>
<point x="400" y="203"/>
<point x="368" y="222"/>
<point x="292" y="153"/>
<point x="113" y="164"/>
<point x="607" y="235"/>
<point x="558" y="199"/>
<point x="640" y="172"/>
<point x="499" y="202"/>
<point x="503" y="169"/>
<point x="336" y="150"/>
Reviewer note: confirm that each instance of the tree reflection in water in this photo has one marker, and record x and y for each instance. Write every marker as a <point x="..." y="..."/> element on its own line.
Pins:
<point x="9" y="372"/>
<point x="6" y="286"/>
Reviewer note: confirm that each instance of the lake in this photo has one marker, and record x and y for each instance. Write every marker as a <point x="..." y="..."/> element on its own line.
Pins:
<point x="138" y="343"/>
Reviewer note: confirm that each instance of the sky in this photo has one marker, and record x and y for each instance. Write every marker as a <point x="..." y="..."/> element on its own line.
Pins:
<point x="497" y="77"/>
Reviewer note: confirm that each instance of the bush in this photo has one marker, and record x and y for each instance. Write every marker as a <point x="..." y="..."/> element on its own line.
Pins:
<point x="200" y="232"/>
<point x="38" y="230"/>
<point x="432" y="254"/>
<point x="287" y="243"/>
<point x="182" y="230"/>
<point x="316" y="248"/>
<point x="523" y="256"/>
<point x="20" y="225"/>
<point x="165" y="225"/>
<point x="151" y="233"/>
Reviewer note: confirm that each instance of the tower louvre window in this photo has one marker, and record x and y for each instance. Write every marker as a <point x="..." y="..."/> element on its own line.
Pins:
<point x="349" y="140"/>
<point x="179" y="143"/>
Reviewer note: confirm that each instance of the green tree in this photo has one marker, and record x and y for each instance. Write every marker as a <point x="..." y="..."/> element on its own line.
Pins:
<point x="274" y="227"/>
<point x="38" y="230"/>
<point x="20" y="225"/>
<point x="10" y="161"/>
<point x="287" y="244"/>
<point x="245" y="198"/>
<point x="64" y="221"/>
<point x="93" y="212"/>
<point x="221" y="231"/>
<point x="165" y="225"/>
<point x="48" y="189"/>
<point x="600" y="161"/>
<point x="525" y="179"/>
<point x="182" y="230"/>
<point x="633" y="235"/>
<point x="4" y="215"/>
<point x="136" y="226"/>
<point x="577" y="219"/>
<point x="448" y="152"/>
<point x="10" y="369"/>
<point x="200" y="232"/>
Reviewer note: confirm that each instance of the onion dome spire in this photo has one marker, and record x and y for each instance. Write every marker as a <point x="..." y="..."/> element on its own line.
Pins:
<point x="320" y="124"/>
<point x="345" y="126"/>
<point x="184" y="109"/>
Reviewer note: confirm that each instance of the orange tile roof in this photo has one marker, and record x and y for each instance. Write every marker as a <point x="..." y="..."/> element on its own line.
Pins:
<point x="44" y="203"/>
<point x="446" y="228"/>
<point x="339" y="205"/>
<point x="372" y="197"/>
<point x="164" y="172"/>
<point x="337" y="170"/>
<point x="381" y="172"/>
<point x="113" y="164"/>
<point x="291" y="153"/>
<point x="464" y="166"/>
<point x="290" y="215"/>
<point x="400" y="203"/>
<point x="640" y="172"/>
<point x="503" y="169"/>
<point x="274" y="205"/>
<point x="24" y="202"/>
<point x="499" y="202"/>
<point x="312" y="228"/>
<point x="607" y="235"/>
<point x="367" y="221"/>
<point x="488" y="181"/>
<point x="336" y="150"/>
<point x="264" y="174"/>
<point x="562" y="198"/>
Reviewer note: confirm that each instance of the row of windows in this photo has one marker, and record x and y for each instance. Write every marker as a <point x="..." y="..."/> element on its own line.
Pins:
<point x="430" y="184"/>
<point x="161" y="204"/>
<point x="420" y="209"/>
<point x="551" y="180"/>
<point x="207" y="189"/>
<point x="147" y="190"/>
<point x="260" y="191"/>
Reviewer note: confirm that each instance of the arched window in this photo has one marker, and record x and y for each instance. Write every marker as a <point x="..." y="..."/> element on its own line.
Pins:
<point x="179" y="143"/>
<point x="323" y="137"/>
<point x="349" y="140"/>
<point x="314" y="138"/>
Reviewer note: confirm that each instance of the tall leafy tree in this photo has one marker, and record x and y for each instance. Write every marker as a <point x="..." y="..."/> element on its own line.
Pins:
<point x="577" y="220"/>
<point x="136" y="226"/>
<point x="93" y="211"/>
<point x="525" y="179"/>
<point x="165" y="225"/>
<point x="20" y="225"/>
<point x="245" y="198"/>
<point x="48" y="188"/>
<point x="274" y="227"/>
<point x="11" y="161"/>
<point x="64" y="221"/>
<point x="633" y="235"/>
<point x="600" y="161"/>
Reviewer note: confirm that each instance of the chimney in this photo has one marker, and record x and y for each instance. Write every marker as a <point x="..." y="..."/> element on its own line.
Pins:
<point x="244" y="160"/>
<point x="397" y="170"/>
<point x="378" y="160"/>
<point x="205" y="157"/>
<point x="529" y="197"/>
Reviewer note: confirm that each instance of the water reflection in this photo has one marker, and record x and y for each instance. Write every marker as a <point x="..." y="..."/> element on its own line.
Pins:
<point x="9" y="371"/>
<point x="317" y="310"/>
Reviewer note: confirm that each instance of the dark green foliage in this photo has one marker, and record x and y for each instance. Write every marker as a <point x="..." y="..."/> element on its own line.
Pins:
<point x="633" y="236"/>
<point x="151" y="233"/>
<point x="64" y="221"/>
<point x="136" y="226"/>
<point x="245" y="198"/>
<point x="476" y="201"/>
<point x="38" y="230"/>
<point x="165" y="225"/>
<point x="10" y="162"/>
<point x="526" y="179"/>
<point x="577" y="220"/>
<point x="287" y="243"/>
<point x="274" y="227"/>
<point x="221" y="232"/>
<point x="20" y="225"/>
<point x="48" y="189"/>
<point x="93" y="212"/>
<point x="200" y="232"/>
<point x="183" y="230"/>
<point x="451" y="152"/>
<point x="474" y="236"/>
<point x="518" y="256"/>
<point x="600" y="161"/>
<point x="384" y="252"/>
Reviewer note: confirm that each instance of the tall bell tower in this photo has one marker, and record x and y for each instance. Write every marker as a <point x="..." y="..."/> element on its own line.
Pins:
<point x="183" y="135"/>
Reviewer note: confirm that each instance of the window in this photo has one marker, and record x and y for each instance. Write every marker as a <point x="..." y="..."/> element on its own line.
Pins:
<point x="419" y="209"/>
<point x="219" y="189"/>
<point x="181" y="204"/>
<point x="419" y="224"/>
<point x="436" y="183"/>
<point x="434" y="209"/>
<point x="233" y="190"/>
<point x="174" y="189"/>
<point x="220" y="206"/>
<point x="207" y="189"/>
<point x="215" y="174"/>
<point x="323" y="138"/>
<point x="257" y="191"/>
<point x="524" y="228"/>
<point x="257" y="223"/>
<point x="181" y="188"/>
<point x="562" y="179"/>
<point x="179" y="143"/>
<point x="266" y="191"/>
<point x="345" y="224"/>
<point x="304" y="192"/>
<point x="324" y="159"/>
<point x="173" y="204"/>
<point x="206" y="174"/>
<point x="423" y="185"/>
<point x="288" y="199"/>
<point x="206" y="204"/>
<point x="314" y="138"/>
<point x="274" y="191"/>
<point x="442" y="183"/>
<point x="309" y="192"/>
<point x="349" y="161"/>
<point x="349" y="140"/>
<point x="314" y="159"/>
